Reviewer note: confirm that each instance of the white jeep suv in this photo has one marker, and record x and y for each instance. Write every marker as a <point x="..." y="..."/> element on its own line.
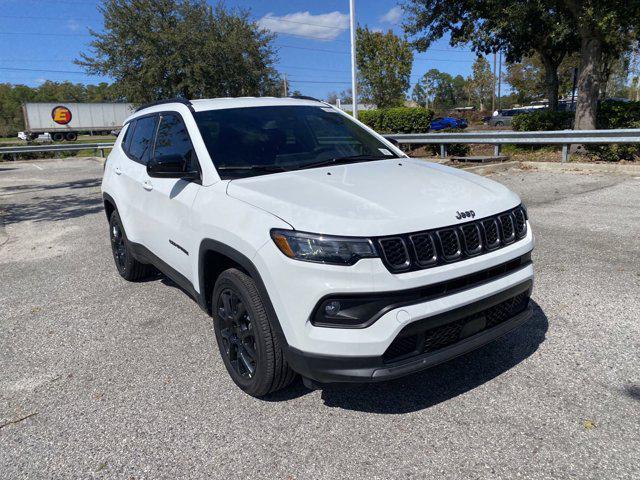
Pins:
<point x="317" y="246"/>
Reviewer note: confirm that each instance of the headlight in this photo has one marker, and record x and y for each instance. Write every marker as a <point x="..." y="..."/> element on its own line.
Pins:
<point x="311" y="247"/>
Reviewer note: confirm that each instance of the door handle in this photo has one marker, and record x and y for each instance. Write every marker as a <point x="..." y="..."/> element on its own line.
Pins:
<point x="118" y="171"/>
<point x="147" y="186"/>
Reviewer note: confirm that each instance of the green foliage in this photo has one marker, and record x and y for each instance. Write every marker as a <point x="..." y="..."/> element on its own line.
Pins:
<point x="157" y="49"/>
<point x="397" y="120"/>
<point x="542" y="120"/>
<point x="454" y="149"/>
<point x="13" y="96"/>
<point x="440" y="90"/>
<point x="384" y="67"/>
<point x="617" y="115"/>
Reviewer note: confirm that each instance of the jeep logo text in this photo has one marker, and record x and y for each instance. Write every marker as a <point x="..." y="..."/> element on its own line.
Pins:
<point x="467" y="214"/>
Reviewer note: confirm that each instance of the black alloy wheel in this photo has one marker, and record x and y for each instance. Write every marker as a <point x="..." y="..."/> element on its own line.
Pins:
<point x="237" y="333"/>
<point x="118" y="246"/>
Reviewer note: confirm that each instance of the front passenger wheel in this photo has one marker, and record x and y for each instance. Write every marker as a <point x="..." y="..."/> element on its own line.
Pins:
<point x="248" y="345"/>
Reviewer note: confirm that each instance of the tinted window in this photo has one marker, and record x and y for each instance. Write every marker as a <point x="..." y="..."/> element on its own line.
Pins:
<point x="140" y="145"/>
<point x="172" y="139"/>
<point x="285" y="137"/>
<point x="127" y="135"/>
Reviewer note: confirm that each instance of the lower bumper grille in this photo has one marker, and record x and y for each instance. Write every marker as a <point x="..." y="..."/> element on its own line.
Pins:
<point x="431" y="340"/>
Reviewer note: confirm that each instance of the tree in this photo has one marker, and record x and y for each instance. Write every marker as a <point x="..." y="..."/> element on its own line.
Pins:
<point x="527" y="78"/>
<point x="157" y="49"/>
<point x="384" y="67"/>
<point x="519" y="28"/>
<point x="602" y="27"/>
<point x="439" y="89"/>
<point x="481" y="82"/>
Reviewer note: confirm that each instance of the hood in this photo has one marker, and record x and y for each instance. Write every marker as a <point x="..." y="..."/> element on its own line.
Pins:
<point x="384" y="197"/>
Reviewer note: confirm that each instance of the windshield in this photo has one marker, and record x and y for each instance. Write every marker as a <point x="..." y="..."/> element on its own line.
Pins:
<point x="258" y="140"/>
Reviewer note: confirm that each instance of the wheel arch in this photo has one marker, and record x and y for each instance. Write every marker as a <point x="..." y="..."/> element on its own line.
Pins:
<point x="213" y="258"/>
<point x="109" y="205"/>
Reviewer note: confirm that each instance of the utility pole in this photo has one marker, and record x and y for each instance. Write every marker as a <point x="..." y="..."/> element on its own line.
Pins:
<point x="493" y="93"/>
<point x="354" y="88"/>
<point x="500" y="82"/>
<point x="285" y="87"/>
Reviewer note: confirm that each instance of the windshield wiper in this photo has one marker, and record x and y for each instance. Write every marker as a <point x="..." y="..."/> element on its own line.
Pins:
<point x="254" y="168"/>
<point x="346" y="159"/>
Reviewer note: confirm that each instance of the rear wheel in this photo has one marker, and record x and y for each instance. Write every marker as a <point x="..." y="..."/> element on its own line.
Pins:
<point x="248" y="345"/>
<point x="499" y="124"/>
<point x="128" y="267"/>
<point x="71" y="136"/>
<point x="57" y="136"/>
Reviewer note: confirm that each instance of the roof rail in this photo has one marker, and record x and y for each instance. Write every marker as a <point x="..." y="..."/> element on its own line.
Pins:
<point x="183" y="101"/>
<point x="305" y="97"/>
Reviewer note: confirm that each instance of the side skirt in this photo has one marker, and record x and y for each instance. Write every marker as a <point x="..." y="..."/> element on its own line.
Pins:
<point x="144" y="255"/>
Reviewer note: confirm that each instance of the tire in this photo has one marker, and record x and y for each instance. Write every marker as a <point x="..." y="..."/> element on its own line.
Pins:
<point x="57" y="136"/>
<point x="250" y="349"/>
<point x="499" y="124"/>
<point x="128" y="267"/>
<point x="71" y="136"/>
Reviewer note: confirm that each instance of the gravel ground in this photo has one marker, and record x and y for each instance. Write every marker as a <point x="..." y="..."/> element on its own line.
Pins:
<point x="100" y="378"/>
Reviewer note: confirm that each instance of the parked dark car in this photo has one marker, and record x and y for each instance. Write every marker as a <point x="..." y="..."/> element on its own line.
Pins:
<point x="442" y="123"/>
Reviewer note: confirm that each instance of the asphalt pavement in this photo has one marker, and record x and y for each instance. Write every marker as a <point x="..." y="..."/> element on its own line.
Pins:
<point x="100" y="378"/>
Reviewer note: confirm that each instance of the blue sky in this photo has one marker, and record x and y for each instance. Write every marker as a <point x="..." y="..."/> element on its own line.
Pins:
<point x="40" y="39"/>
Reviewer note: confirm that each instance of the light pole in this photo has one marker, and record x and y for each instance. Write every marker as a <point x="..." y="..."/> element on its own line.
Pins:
<point x="354" y="91"/>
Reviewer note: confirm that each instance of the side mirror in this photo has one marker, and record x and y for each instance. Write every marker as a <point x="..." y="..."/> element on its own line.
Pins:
<point x="171" y="166"/>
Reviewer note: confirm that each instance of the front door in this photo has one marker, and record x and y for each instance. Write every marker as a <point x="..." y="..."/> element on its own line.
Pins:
<point x="168" y="201"/>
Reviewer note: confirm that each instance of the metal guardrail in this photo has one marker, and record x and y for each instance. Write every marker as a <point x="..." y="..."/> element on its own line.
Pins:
<point x="566" y="138"/>
<point x="63" y="147"/>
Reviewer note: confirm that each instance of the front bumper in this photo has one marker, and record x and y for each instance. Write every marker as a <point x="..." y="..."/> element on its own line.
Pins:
<point x="331" y="369"/>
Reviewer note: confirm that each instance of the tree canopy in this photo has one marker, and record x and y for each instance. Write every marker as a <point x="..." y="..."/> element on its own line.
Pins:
<point x="155" y="49"/>
<point x="384" y="67"/>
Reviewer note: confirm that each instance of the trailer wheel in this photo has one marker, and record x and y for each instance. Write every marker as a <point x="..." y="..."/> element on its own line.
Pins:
<point x="71" y="136"/>
<point x="57" y="136"/>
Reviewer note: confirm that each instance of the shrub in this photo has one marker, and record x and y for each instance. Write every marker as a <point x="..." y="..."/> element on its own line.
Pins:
<point x="613" y="114"/>
<point x="542" y="120"/>
<point x="397" y="120"/>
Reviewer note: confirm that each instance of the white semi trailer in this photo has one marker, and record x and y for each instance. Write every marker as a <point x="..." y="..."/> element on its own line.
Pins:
<point x="66" y="120"/>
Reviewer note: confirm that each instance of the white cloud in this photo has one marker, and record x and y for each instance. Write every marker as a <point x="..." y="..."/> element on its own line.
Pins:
<point x="73" y="25"/>
<point x="393" y="16"/>
<point x="326" y="26"/>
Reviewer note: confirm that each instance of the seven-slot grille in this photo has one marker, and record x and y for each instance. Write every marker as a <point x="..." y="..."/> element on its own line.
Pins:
<point x="445" y="245"/>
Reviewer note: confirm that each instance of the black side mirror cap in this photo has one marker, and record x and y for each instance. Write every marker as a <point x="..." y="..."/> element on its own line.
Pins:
<point x="171" y="166"/>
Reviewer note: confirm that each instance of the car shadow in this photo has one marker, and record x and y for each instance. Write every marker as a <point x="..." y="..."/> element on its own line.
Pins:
<point x="437" y="384"/>
<point x="51" y="209"/>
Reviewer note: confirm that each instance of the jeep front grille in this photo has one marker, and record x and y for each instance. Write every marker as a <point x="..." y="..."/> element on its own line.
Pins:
<point x="420" y="250"/>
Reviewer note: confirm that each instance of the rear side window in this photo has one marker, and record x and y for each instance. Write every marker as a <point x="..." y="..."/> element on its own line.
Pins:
<point x="127" y="135"/>
<point x="173" y="139"/>
<point x="140" y="144"/>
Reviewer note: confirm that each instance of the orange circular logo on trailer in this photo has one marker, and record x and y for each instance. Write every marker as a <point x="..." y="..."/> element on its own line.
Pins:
<point x="61" y="115"/>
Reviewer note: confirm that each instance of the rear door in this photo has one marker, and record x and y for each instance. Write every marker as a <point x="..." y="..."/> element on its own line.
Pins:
<point x="167" y="201"/>
<point x="137" y="147"/>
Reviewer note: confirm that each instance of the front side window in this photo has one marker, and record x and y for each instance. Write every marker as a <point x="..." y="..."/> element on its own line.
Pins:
<point x="140" y="145"/>
<point x="258" y="140"/>
<point x="172" y="140"/>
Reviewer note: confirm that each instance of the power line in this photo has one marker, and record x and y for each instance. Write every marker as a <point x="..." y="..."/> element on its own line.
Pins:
<point x="38" y="34"/>
<point x="41" y="70"/>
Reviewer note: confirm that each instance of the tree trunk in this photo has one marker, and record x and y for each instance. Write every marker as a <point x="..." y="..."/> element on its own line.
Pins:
<point x="551" y="81"/>
<point x="588" y="88"/>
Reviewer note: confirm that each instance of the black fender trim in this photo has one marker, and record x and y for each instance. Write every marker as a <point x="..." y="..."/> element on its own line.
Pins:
<point x="209" y="245"/>
<point x="109" y="198"/>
